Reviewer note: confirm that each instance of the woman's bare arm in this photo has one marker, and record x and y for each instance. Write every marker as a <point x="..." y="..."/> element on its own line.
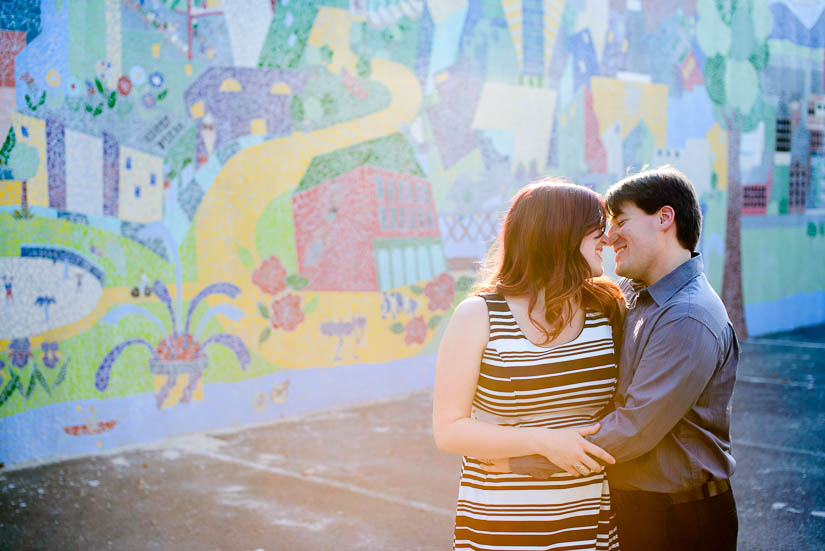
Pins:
<point x="456" y="377"/>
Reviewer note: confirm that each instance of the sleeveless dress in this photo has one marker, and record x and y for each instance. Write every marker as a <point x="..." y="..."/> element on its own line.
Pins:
<point x="525" y="385"/>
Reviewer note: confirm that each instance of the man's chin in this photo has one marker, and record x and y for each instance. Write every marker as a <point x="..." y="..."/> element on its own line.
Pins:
<point x="622" y="271"/>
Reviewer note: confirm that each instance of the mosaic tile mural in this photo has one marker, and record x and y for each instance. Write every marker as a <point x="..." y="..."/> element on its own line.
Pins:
<point x="221" y="212"/>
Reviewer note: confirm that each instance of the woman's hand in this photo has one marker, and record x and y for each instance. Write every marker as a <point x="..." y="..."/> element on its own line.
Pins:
<point x="568" y="449"/>
<point x="497" y="466"/>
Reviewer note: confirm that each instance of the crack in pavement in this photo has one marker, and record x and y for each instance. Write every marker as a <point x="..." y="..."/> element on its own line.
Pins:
<point x="326" y="482"/>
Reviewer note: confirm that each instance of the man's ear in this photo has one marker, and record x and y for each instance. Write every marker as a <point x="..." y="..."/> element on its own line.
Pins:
<point x="666" y="217"/>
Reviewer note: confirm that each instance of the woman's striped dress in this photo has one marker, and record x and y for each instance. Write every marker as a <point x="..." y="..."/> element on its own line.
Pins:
<point x="525" y="385"/>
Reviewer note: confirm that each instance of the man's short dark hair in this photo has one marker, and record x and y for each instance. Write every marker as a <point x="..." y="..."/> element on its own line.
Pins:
<point x="653" y="189"/>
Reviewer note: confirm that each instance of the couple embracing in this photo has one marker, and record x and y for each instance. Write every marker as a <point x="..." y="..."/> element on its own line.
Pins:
<point x="552" y="373"/>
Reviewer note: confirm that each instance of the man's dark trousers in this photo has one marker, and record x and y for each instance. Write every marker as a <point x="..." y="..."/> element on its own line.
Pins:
<point x="649" y="521"/>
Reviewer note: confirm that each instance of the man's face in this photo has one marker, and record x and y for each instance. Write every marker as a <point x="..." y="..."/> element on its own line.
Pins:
<point x="633" y="235"/>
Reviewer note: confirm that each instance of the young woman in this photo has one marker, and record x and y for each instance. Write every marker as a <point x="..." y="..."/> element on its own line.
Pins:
<point x="525" y="368"/>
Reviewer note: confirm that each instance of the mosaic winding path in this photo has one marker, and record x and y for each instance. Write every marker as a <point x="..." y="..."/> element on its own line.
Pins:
<point x="236" y="199"/>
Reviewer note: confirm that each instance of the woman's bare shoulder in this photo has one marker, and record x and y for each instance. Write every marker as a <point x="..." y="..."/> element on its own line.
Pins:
<point x="470" y="320"/>
<point x="471" y="307"/>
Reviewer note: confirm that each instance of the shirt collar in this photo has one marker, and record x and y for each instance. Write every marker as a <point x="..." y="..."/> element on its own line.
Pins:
<point x="662" y="290"/>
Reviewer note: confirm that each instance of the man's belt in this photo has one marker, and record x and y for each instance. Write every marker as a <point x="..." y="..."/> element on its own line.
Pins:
<point x="706" y="490"/>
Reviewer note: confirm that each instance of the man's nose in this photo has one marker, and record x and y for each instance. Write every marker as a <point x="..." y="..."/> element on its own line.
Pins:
<point x="610" y="236"/>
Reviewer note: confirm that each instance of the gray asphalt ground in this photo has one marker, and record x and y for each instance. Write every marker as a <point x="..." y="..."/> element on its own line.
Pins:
<point x="370" y="477"/>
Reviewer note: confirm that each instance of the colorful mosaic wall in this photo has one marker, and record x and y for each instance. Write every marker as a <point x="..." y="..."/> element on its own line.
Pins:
<point x="222" y="212"/>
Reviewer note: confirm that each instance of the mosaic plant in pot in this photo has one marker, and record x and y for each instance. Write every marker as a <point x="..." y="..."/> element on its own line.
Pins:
<point x="179" y="359"/>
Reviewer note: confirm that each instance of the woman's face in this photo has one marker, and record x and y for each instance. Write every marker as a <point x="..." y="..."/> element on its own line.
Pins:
<point x="591" y="249"/>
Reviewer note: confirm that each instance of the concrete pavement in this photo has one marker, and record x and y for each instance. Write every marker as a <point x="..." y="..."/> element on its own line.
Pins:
<point x="364" y="478"/>
<point x="370" y="477"/>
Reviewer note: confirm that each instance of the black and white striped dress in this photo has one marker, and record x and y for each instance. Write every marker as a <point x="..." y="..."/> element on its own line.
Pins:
<point x="524" y="385"/>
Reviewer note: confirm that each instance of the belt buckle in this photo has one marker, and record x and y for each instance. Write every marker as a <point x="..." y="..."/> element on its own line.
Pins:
<point x="715" y="487"/>
<point x="707" y="490"/>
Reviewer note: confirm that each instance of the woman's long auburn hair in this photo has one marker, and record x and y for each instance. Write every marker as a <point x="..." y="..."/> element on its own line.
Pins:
<point x="539" y="248"/>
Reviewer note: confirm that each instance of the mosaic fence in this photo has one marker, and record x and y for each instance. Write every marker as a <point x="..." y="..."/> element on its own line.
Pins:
<point x="222" y="212"/>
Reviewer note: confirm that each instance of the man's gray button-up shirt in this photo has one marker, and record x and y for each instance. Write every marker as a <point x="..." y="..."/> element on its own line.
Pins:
<point x="670" y="429"/>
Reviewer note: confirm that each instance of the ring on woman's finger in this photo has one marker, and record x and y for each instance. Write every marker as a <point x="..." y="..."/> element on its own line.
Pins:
<point x="581" y="468"/>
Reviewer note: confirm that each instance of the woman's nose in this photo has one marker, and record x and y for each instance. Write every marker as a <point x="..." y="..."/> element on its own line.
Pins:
<point x="607" y="239"/>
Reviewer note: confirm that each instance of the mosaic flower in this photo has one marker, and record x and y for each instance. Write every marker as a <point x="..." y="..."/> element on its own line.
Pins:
<point x="279" y="392"/>
<point x="53" y="78"/>
<point x="20" y="352"/>
<point x="416" y="330"/>
<point x="124" y="85"/>
<point x="138" y="75"/>
<point x="270" y="277"/>
<point x="440" y="292"/>
<point x="148" y="100"/>
<point x="287" y="313"/>
<point x="90" y="88"/>
<point x="50" y="349"/>
<point x="259" y="401"/>
<point x="156" y="79"/>
<point x="102" y="69"/>
<point x="178" y="347"/>
<point x="73" y="87"/>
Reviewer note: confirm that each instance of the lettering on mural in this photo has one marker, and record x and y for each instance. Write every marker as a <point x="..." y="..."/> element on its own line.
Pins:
<point x="163" y="132"/>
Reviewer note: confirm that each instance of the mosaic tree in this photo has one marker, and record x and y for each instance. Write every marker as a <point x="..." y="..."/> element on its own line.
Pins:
<point x="44" y="302"/>
<point x="288" y="35"/>
<point x="733" y="34"/>
<point x="23" y="161"/>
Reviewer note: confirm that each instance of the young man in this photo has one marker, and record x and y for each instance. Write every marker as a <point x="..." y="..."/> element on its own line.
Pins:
<point x="670" y="429"/>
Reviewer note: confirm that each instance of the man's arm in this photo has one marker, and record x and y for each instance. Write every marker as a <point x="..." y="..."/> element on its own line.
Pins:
<point x="677" y="363"/>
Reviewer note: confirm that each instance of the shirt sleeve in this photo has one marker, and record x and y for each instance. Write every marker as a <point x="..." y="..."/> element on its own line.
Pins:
<point x="536" y="466"/>
<point x="678" y="361"/>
